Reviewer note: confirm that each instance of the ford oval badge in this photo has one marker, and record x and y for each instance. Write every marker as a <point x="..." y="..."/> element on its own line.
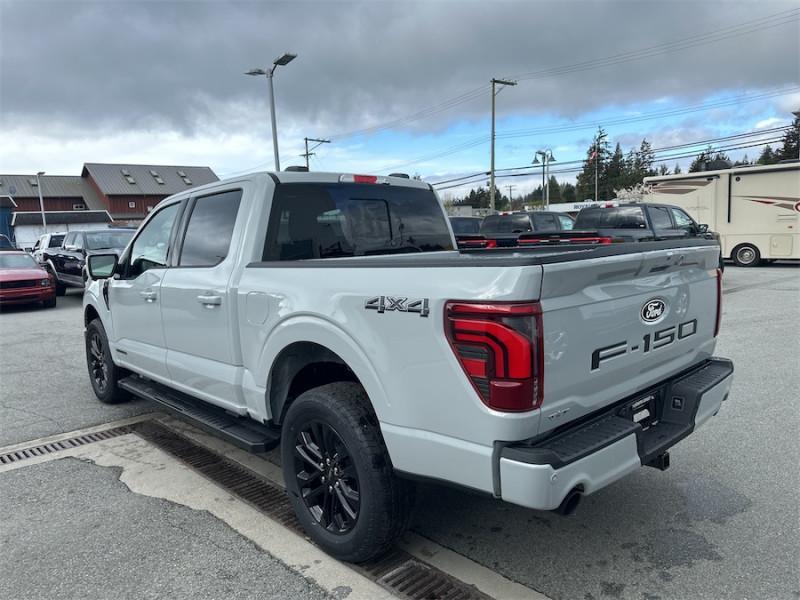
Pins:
<point x="653" y="310"/>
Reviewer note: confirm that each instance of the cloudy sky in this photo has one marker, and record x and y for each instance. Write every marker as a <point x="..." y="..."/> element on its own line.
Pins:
<point x="394" y="85"/>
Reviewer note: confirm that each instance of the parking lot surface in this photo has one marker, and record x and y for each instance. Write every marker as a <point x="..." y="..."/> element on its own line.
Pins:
<point x="722" y="522"/>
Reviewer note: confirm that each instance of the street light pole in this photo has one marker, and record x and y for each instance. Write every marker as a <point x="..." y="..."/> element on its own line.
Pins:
<point x="547" y="158"/>
<point x="41" y="200"/>
<point x="282" y="60"/>
<point x="491" y="167"/>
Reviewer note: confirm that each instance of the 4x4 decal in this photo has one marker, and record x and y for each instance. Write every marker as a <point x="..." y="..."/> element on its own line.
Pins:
<point x="399" y="303"/>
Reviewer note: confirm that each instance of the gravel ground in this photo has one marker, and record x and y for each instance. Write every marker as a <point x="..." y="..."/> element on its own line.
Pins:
<point x="75" y="531"/>
<point x="722" y="522"/>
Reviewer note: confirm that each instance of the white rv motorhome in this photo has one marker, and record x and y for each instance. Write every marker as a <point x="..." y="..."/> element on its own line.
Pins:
<point x="755" y="209"/>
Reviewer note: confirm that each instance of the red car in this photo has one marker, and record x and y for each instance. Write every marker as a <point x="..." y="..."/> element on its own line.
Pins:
<point x="23" y="281"/>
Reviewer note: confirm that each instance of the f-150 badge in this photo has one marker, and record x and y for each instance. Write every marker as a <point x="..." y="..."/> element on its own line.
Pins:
<point x="389" y="303"/>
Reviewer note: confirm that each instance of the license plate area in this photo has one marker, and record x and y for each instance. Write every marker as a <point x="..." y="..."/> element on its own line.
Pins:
<point x="642" y="410"/>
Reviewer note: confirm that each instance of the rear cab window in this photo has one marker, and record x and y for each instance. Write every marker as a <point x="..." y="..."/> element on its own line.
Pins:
<point x="330" y="220"/>
<point x="519" y="223"/>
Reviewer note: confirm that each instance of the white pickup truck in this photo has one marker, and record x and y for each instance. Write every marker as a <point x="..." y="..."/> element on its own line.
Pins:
<point x="332" y="314"/>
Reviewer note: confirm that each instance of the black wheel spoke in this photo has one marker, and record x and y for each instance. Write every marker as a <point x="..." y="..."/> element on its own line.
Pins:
<point x="326" y="477"/>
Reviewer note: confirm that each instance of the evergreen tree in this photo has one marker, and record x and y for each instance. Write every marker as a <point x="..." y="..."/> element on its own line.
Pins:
<point x="700" y="161"/>
<point x="597" y="156"/>
<point x="791" y="143"/>
<point x="677" y="169"/>
<point x="568" y="192"/>
<point x="555" y="190"/>
<point x="643" y="162"/>
<point x="767" y="157"/>
<point x="616" y="171"/>
<point x="663" y="169"/>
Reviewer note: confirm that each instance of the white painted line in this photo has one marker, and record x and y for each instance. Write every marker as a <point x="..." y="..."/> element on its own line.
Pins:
<point x="444" y="559"/>
<point x="149" y="471"/>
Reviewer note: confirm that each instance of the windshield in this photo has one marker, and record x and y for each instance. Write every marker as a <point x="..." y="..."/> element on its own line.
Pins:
<point x="314" y="220"/>
<point x="100" y="240"/>
<point x="55" y="241"/>
<point x="465" y="225"/>
<point x="17" y="261"/>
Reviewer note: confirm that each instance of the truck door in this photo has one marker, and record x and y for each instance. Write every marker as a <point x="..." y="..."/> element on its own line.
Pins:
<point x="661" y="222"/>
<point x="135" y="297"/>
<point x="197" y="307"/>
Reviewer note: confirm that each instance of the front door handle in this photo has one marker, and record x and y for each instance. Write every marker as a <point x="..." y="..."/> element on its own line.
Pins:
<point x="209" y="300"/>
<point x="148" y="295"/>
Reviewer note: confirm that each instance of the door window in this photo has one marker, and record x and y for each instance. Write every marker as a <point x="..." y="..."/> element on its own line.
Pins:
<point x="660" y="217"/>
<point x="151" y="246"/>
<point x="566" y="222"/>
<point x="69" y="239"/>
<point x="210" y="228"/>
<point x="682" y="220"/>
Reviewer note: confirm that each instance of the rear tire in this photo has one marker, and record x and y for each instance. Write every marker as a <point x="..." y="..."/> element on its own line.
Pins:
<point x="50" y="303"/>
<point x="746" y="255"/>
<point x="104" y="375"/>
<point x="339" y="476"/>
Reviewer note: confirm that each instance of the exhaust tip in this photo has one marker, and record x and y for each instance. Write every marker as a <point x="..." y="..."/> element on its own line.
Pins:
<point x="570" y="503"/>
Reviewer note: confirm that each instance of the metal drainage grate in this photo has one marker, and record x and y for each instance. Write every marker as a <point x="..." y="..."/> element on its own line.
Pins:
<point x="397" y="571"/>
<point x="43" y="449"/>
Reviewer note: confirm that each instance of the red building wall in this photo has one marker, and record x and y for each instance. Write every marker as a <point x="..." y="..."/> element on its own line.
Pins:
<point x="32" y="204"/>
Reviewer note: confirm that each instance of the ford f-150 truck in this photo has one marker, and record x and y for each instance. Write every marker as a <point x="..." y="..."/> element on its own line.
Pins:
<point x="332" y="314"/>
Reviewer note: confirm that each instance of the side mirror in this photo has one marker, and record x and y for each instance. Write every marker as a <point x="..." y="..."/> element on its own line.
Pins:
<point x="702" y="228"/>
<point x="101" y="266"/>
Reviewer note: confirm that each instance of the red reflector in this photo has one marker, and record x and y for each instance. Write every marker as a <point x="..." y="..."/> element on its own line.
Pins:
<point x="365" y="179"/>
<point x="509" y="336"/>
<point x="491" y="243"/>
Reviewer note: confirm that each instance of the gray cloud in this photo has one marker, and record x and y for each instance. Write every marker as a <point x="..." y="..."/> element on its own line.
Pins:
<point x="178" y="65"/>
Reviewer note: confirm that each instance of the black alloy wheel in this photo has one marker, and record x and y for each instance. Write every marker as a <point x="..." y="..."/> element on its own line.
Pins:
<point x="327" y="477"/>
<point x="98" y="366"/>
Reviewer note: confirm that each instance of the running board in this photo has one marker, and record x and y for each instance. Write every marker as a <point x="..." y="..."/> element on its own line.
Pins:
<point x="240" y="431"/>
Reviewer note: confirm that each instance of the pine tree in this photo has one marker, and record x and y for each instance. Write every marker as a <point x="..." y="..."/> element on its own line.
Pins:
<point x="568" y="192"/>
<point x="663" y="169"/>
<point x="677" y="169"/>
<point x="555" y="190"/>
<point x="791" y="143"/>
<point x="615" y="172"/>
<point x="700" y="161"/>
<point x="767" y="157"/>
<point x="645" y="157"/>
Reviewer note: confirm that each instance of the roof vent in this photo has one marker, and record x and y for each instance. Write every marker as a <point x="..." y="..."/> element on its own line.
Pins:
<point x="127" y="175"/>
<point x="182" y="174"/>
<point x="32" y="181"/>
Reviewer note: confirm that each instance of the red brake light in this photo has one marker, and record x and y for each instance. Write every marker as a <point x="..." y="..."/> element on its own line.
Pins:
<point x="365" y="179"/>
<point x="500" y="347"/>
<point x="719" y="302"/>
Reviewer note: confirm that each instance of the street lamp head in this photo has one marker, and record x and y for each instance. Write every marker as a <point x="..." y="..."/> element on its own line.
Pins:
<point x="256" y="72"/>
<point x="40" y="173"/>
<point x="285" y="59"/>
<point x="552" y="158"/>
<point x="535" y="159"/>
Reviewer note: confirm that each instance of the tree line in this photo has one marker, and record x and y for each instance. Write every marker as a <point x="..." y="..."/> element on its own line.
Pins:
<point x="618" y="170"/>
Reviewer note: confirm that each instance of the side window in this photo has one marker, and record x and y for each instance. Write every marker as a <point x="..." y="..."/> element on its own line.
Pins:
<point x="79" y="242"/>
<point x="626" y="217"/>
<point x="545" y="222"/>
<point x="682" y="220"/>
<point x="150" y="248"/>
<point x="566" y="222"/>
<point x="210" y="228"/>
<point x="660" y="217"/>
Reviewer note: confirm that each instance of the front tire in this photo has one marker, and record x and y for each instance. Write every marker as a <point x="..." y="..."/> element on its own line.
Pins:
<point x="339" y="476"/>
<point x="746" y="255"/>
<point x="49" y="303"/>
<point x="104" y="375"/>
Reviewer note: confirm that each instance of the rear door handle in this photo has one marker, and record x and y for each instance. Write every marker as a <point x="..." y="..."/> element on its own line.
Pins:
<point x="148" y="295"/>
<point x="209" y="300"/>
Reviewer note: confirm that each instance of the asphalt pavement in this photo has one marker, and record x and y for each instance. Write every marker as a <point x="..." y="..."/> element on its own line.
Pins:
<point x="722" y="522"/>
<point x="44" y="385"/>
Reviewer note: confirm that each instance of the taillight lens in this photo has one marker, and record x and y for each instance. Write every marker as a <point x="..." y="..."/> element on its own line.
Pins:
<point x="719" y="302"/>
<point x="500" y="347"/>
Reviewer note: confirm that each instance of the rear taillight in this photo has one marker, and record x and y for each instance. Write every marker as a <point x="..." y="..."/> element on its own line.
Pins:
<point x="719" y="302"/>
<point x="500" y="347"/>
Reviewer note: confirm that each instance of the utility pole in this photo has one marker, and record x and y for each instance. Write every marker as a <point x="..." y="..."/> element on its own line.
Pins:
<point x="307" y="154"/>
<point x="491" y="168"/>
<point x="511" y="195"/>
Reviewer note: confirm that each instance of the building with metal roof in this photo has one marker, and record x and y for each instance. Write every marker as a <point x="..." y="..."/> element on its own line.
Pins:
<point x="131" y="191"/>
<point x="59" y="192"/>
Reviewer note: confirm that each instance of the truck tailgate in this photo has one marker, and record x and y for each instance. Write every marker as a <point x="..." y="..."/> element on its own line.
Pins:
<point x="616" y="325"/>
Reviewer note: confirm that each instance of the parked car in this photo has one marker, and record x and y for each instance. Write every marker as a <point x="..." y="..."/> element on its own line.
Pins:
<point x="505" y="229"/>
<point x="332" y="314"/>
<point x="47" y="241"/>
<point x="24" y="281"/>
<point x="642" y="222"/>
<point x="66" y="263"/>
